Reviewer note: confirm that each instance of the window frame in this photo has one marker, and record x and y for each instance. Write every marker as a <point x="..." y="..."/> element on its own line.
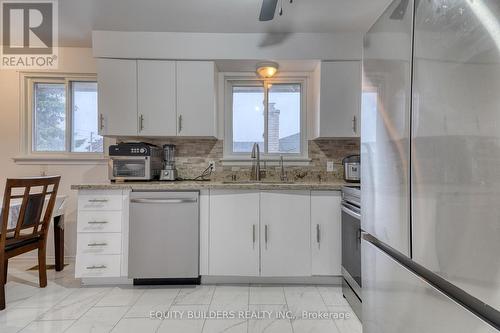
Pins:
<point x="232" y="157"/>
<point x="28" y="154"/>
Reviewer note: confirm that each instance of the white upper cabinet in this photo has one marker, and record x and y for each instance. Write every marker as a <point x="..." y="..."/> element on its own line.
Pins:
<point x="117" y="84"/>
<point x="326" y="241"/>
<point x="156" y="98"/>
<point x="234" y="233"/>
<point x="196" y="111"/>
<point x="339" y="109"/>
<point x="285" y="233"/>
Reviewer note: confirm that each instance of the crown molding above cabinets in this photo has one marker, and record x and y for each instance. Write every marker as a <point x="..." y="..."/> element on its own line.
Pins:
<point x="156" y="98"/>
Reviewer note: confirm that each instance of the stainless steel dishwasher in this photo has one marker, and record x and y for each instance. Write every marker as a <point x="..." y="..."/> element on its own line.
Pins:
<point x="164" y="238"/>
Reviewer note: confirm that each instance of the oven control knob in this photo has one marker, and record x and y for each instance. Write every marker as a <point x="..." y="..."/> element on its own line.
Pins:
<point x="143" y="150"/>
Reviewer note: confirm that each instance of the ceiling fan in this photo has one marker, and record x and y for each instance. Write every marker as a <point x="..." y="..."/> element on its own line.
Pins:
<point x="269" y="8"/>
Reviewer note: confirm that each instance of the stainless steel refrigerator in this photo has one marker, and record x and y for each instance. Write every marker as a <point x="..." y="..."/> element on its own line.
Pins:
<point x="430" y="151"/>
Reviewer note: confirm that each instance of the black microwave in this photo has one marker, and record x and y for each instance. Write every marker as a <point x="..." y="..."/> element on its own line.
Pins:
<point x="135" y="161"/>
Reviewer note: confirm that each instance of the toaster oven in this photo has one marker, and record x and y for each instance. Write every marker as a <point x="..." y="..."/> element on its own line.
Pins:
<point x="134" y="161"/>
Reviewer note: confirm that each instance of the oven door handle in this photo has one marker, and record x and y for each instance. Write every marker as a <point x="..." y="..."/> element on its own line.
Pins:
<point x="164" y="200"/>
<point x="351" y="212"/>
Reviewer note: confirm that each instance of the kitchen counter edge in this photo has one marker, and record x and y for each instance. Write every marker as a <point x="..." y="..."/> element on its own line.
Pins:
<point x="193" y="185"/>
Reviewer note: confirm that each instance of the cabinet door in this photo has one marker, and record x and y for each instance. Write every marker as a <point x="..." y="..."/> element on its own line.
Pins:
<point x="196" y="111"/>
<point x="156" y="98"/>
<point x="326" y="241"/>
<point x="285" y="233"/>
<point x="340" y="99"/>
<point x="234" y="233"/>
<point x="117" y="96"/>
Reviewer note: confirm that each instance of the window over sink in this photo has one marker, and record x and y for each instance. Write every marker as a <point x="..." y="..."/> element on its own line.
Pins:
<point x="270" y="113"/>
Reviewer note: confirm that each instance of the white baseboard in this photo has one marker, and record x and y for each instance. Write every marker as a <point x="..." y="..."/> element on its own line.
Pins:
<point x="106" y="281"/>
<point x="318" y="280"/>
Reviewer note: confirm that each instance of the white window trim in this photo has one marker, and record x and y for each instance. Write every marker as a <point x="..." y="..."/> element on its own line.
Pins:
<point x="27" y="155"/>
<point x="237" y="159"/>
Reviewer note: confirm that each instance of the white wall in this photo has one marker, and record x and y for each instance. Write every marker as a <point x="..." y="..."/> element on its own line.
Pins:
<point x="71" y="60"/>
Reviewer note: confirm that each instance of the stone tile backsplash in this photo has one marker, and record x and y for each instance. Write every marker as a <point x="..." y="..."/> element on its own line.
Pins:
<point x="193" y="156"/>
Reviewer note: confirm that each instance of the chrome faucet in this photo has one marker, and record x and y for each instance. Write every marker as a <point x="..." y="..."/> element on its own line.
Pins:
<point x="256" y="164"/>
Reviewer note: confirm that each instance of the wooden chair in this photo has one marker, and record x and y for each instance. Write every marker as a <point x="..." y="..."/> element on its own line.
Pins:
<point x="37" y="197"/>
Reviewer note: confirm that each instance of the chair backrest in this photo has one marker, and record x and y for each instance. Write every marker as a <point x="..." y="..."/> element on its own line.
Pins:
<point x="34" y="200"/>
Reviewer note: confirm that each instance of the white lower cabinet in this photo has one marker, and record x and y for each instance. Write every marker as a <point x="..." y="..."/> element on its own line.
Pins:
<point x="99" y="243"/>
<point x="91" y="265"/>
<point x="100" y="201"/>
<point x="267" y="233"/>
<point x="326" y="239"/>
<point x="234" y="233"/>
<point x="285" y="233"/>
<point x="102" y="234"/>
<point x="99" y="221"/>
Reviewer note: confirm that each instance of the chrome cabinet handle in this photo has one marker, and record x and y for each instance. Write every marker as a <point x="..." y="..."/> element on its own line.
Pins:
<point x="101" y="121"/>
<point x="98" y="200"/>
<point x="358" y="238"/>
<point x="253" y="234"/>
<point x="141" y="122"/>
<point x="97" y="244"/>
<point x="164" y="201"/>
<point x="180" y="123"/>
<point x="355" y="124"/>
<point x="97" y="222"/>
<point x="96" y="267"/>
<point x="266" y="234"/>
<point x="318" y="234"/>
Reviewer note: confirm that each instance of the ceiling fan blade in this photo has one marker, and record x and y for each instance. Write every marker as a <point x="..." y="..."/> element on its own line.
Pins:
<point x="268" y="9"/>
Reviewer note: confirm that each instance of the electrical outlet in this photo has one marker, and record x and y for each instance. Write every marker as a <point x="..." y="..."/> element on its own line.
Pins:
<point x="211" y="165"/>
<point x="329" y="166"/>
<point x="43" y="170"/>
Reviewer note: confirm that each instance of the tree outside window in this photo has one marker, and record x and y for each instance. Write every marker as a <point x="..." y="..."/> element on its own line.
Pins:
<point x="65" y="117"/>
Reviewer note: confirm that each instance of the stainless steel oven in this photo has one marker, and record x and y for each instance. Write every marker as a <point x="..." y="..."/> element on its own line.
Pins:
<point x="134" y="161"/>
<point x="351" y="247"/>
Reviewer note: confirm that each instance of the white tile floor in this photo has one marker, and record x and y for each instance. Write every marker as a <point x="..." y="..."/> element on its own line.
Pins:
<point x="64" y="306"/>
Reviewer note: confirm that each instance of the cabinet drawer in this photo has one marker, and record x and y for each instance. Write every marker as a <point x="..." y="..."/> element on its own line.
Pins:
<point x="89" y="265"/>
<point x="99" y="243"/>
<point x="100" y="201"/>
<point x="95" y="221"/>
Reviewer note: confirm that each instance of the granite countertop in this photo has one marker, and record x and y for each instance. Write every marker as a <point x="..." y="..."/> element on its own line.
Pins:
<point x="200" y="185"/>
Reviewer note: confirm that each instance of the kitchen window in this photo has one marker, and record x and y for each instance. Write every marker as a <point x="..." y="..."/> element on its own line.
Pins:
<point x="60" y="117"/>
<point x="269" y="113"/>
